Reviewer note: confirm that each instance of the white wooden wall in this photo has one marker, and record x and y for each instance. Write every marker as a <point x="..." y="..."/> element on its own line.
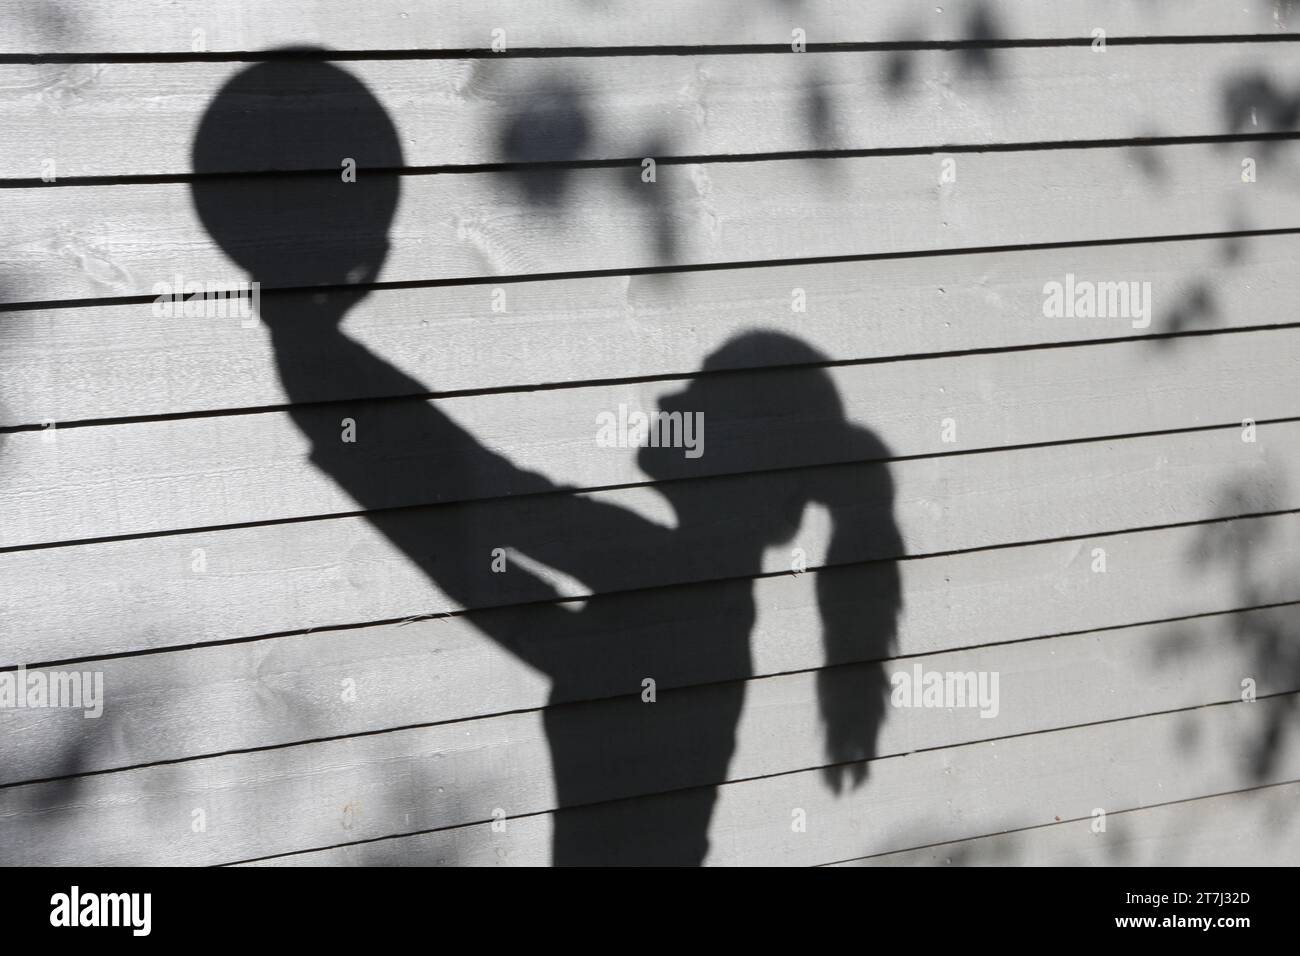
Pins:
<point x="777" y="171"/>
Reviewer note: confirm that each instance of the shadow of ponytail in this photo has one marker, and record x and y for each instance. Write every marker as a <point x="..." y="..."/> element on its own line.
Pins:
<point x="859" y="603"/>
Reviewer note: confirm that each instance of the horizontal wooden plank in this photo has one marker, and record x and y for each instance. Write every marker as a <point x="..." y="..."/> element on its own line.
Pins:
<point x="64" y="365"/>
<point x="166" y="26"/>
<point x="1247" y="828"/>
<point x="263" y="803"/>
<point x="287" y="690"/>
<point x="1031" y="779"/>
<point x="982" y="787"/>
<point x="307" y="230"/>
<point x="60" y="603"/>
<point x="138" y="478"/>
<point x="457" y="112"/>
<point x="1242" y="828"/>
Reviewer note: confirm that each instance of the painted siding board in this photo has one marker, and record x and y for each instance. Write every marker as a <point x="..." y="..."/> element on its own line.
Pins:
<point x="112" y="241"/>
<point x="463" y="112"/>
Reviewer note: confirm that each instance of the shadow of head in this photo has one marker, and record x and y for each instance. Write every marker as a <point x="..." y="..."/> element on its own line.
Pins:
<point x="761" y="400"/>
<point x="324" y="219"/>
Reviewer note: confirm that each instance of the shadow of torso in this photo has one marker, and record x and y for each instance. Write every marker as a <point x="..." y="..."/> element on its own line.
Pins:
<point x="612" y="736"/>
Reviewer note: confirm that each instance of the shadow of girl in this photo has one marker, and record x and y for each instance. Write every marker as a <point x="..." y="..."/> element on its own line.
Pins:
<point x="315" y="229"/>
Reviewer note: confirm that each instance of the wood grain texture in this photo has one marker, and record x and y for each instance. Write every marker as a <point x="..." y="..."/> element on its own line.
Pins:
<point x="280" y="689"/>
<point x="116" y="361"/>
<point x="971" y="790"/>
<point x="166" y="26"/>
<point x="1248" y="828"/>
<point x="126" y="479"/>
<point x="458" y="112"/>
<point x="269" y="802"/>
<point x="116" y="596"/>
<point x="287" y="690"/>
<point x="125" y="240"/>
<point x="197" y="537"/>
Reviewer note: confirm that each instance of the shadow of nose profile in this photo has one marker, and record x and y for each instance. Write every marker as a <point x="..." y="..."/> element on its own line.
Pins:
<point x="635" y="780"/>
